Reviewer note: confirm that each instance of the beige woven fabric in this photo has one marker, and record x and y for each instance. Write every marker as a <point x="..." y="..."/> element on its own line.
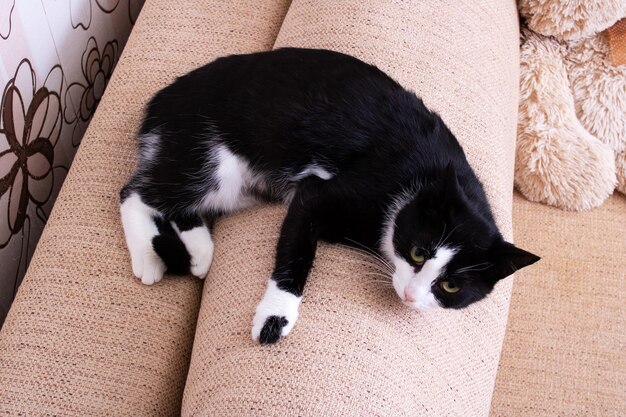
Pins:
<point x="564" y="349"/>
<point x="84" y="338"/>
<point x="356" y="350"/>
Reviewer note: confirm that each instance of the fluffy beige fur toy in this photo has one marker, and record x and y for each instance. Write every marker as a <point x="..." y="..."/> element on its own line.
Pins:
<point x="571" y="146"/>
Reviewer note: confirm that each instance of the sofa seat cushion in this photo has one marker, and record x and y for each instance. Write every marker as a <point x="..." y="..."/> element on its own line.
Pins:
<point x="563" y="353"/>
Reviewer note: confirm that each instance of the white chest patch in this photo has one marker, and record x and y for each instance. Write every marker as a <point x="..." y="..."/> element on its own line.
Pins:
<point x="234" y="177"/>
<point x="386" y="243"/>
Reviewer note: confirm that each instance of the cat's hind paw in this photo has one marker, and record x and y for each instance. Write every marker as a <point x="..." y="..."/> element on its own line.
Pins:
<point x="148" y="266"/>
<point x="140" y="228"/>
<point x="200" y="263"/>
<point x="200" y="247"/>
<point x="275" y="315"/>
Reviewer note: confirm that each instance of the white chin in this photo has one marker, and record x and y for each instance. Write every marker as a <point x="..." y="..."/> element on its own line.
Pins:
<point x="426" y="308"/>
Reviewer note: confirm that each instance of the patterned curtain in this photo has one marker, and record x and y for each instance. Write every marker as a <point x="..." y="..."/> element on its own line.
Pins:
<point x="56" y="57"/>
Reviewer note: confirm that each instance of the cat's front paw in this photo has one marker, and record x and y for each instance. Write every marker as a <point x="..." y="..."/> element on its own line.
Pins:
<point x="269" y="329"/>
<point x="275" y="315"/>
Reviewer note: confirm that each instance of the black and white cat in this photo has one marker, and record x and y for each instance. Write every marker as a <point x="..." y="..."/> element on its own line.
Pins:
<point x="358" y="159"/>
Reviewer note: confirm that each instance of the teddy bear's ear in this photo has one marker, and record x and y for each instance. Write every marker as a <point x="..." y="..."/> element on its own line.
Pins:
<point x="570" y="20"/>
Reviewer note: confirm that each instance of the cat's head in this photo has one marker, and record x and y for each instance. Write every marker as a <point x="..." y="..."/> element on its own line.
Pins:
<point x="446" y="250"/>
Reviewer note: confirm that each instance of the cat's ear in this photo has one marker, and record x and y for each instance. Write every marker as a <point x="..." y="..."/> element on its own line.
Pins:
<point x="507" y="258"/>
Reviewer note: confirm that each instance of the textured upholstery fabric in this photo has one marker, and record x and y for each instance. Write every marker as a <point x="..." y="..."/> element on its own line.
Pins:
<point x="356" y="350"/>
<point x="564" y="350"/>
<point x="84" y="338"/>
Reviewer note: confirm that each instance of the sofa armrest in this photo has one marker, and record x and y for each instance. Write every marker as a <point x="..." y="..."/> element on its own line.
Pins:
<point x="84" y="337"/>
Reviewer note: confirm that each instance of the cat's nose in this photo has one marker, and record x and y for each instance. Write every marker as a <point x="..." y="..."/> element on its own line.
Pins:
<point x="407" y="296"/>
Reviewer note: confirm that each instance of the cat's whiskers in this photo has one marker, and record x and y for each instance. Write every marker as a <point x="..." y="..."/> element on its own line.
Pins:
<point x="445" y="225"/>
<point x="382" y="282"/>
<point x="379" y="261"/>
<point x="473" y="268"/>
<point x="371" y="252"/>
<point x="365" y="263"/>
<point x="375" y="274"/>
<point x="375" y="265"/>
<point x="448" y="236"/>
<point x="361" y="249"/>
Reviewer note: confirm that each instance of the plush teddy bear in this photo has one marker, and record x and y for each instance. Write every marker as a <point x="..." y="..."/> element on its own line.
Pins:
<point x="571" y="145"/>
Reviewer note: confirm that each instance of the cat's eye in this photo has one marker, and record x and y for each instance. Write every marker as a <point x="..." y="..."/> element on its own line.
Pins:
<point x="449" y="287"/>
<point x="417" y="256"/>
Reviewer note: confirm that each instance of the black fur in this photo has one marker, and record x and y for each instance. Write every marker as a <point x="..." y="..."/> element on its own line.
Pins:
<point x="284" y="110"/>
<point x="170" y="248"/>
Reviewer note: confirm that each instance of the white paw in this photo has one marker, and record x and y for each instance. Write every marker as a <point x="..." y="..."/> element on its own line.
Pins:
<point x="148" y="266"/>
<point x="139" y="229"/>
<point x="275" y="315"/>
<point x="201" y="263"/>
<point x="200" y="246"/>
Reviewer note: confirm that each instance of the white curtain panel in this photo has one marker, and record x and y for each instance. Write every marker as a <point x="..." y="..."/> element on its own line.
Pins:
<point x="56" y="57"/>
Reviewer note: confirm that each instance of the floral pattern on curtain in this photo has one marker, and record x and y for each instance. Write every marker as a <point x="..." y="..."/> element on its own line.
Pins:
<point x="56" y="58"/>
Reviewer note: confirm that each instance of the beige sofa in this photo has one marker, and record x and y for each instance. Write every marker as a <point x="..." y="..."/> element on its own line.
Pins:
<point x="84" y="338"/>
